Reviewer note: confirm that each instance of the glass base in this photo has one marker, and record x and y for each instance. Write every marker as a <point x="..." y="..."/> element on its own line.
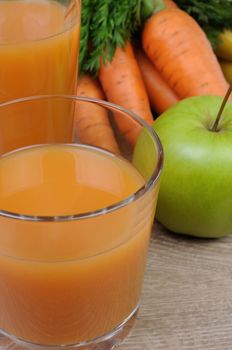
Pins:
<point x="107" y="342"/>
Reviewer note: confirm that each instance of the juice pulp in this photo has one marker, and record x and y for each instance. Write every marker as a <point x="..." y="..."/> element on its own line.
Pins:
<point x="38" y="55"/>
<point x="62" y="282"/>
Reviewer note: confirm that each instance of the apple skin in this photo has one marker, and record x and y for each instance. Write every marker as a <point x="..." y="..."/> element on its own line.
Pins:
<point x="195" y="196"/>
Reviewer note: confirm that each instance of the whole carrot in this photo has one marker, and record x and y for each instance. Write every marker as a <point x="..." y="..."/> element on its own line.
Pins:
<point x="160" y="94"/>
<point x="123" y="85"/>
<point x="91" y="121"/>
<point x="180" y="50"/>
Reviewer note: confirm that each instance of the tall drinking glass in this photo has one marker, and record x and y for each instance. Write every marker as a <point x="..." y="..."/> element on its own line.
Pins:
<point x="75" y="223"/>
<point x="39" y="44"/>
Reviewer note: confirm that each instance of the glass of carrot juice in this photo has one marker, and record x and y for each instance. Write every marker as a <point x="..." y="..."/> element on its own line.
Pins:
<point x="39" y="44"/>
<point x="75" y="223"/>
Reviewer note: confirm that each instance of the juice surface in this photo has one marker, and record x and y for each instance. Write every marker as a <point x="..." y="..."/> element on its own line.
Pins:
<point x="64" y="180"/>
<point x="38" y="56"/>
<point x="71" y="281"/>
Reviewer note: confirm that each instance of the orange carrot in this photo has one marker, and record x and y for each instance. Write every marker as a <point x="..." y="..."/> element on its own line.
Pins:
<point x="180" y="50"/>
<point x="123" y="85"/>
<point x="170" y="4"/>
<point x="160" y="94"/>
<point x="91" y="121"/>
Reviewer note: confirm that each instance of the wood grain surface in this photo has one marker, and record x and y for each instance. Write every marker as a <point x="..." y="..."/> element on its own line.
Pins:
<point x="187" y="296"/>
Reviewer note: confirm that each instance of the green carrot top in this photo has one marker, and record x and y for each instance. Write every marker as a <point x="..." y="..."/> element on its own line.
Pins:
<point x="106" y="25"/>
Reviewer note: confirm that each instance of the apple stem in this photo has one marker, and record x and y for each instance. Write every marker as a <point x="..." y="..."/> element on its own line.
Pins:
<point x="216" y="123"/>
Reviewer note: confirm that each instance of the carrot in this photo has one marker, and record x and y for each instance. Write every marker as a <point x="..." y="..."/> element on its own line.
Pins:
<point x="160" y="94"/>
<point x="91" y="121"/>
<point x="123" y="85"/>
<point x="180" y="50"/>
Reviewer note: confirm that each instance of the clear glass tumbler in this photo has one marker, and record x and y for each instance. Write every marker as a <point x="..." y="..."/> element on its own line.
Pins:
<point x="75" y="223"/>
<point x="39" y="44"/>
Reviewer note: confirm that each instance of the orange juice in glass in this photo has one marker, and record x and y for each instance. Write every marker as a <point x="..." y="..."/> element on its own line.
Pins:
<point x="75" y="223"/>
<point x="39" y="43"/>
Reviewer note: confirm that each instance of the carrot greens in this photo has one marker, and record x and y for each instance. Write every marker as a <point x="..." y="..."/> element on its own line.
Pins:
<point x="106" y="25"/>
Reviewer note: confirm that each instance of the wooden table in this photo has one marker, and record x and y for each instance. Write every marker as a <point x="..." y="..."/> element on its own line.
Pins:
<point x="187" y="297"/>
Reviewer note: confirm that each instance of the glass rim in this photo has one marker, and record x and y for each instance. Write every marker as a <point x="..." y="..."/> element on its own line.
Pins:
<point x="46" y="37"/>
<point x="153" y="179"/>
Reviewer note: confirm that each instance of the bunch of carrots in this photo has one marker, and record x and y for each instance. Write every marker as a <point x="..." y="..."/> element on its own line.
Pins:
<point x="173" y="60"/>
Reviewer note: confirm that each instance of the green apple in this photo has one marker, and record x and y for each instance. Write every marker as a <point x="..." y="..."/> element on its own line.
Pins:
<point x="145" y="155"/>
<point x="196" y="186"/>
